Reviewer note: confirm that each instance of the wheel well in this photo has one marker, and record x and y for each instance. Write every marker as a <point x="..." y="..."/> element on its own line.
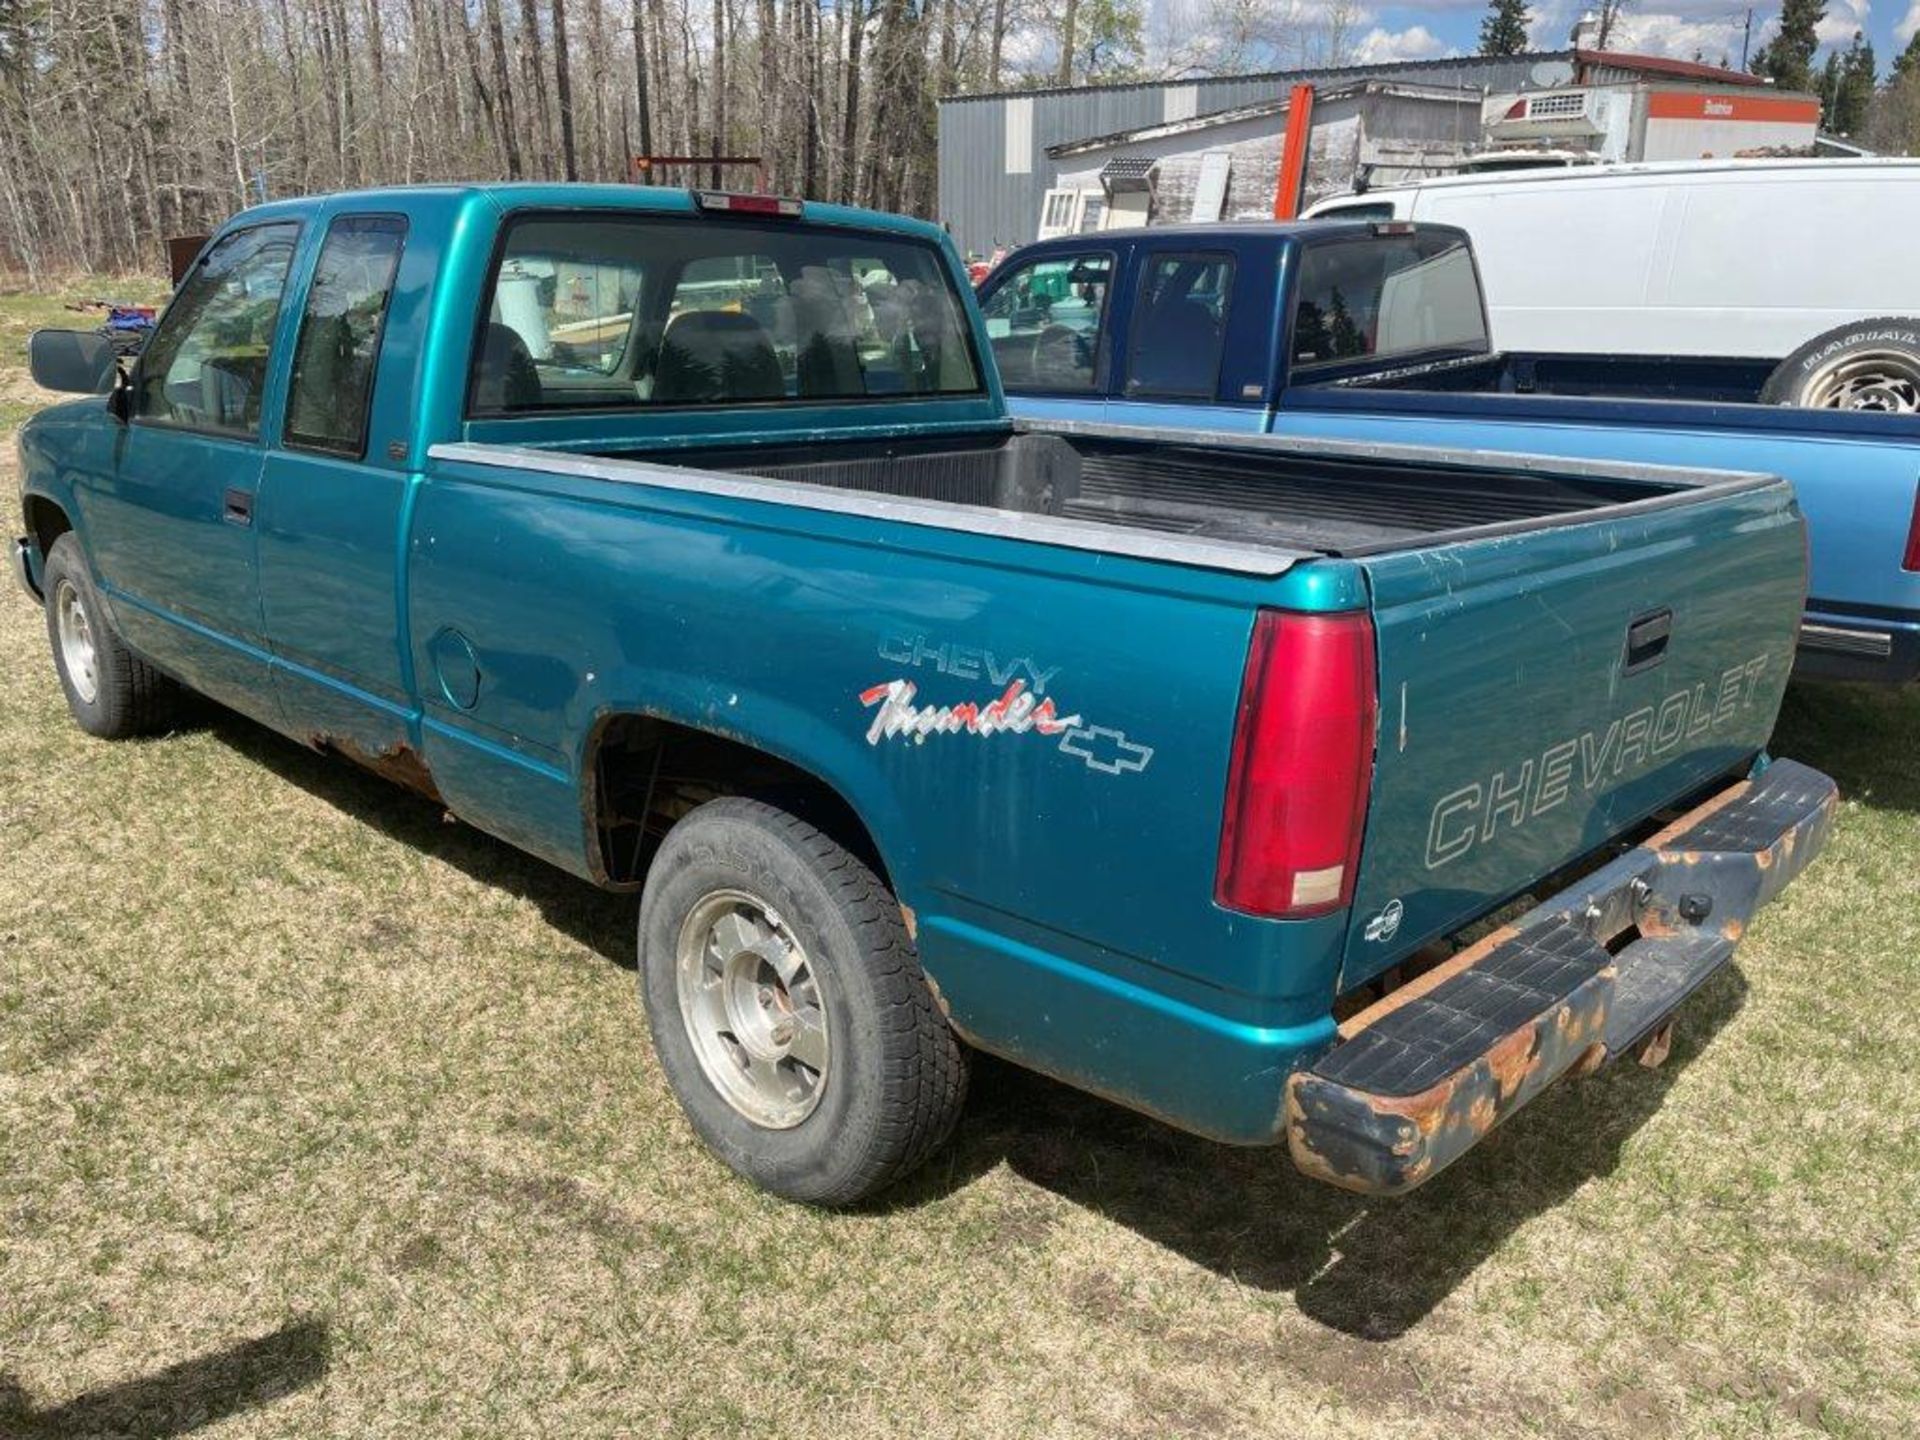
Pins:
<point x="46" y="522"/>
<point x="646" y="773"/>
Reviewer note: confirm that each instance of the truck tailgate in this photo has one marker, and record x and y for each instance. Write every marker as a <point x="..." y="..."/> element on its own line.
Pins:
<point x="1540" y="693"/>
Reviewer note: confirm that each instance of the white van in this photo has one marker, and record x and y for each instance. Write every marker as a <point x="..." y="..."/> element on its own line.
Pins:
<point x="1755" y="259"/>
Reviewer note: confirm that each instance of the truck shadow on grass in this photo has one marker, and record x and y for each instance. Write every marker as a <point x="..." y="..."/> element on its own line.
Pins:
<point x="182" y="1397"/>
<point x="596" y="919"/>
<point x="1369" y="1268"/>
<point x="1866" y="738"/>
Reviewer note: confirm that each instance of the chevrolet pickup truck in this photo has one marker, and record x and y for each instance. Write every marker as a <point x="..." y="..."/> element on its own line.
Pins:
<point x="682" y="539"/>
<point x="1377" y="332"/>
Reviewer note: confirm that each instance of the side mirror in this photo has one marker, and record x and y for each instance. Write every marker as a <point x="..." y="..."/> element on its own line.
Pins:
<point x="77" y="362"/>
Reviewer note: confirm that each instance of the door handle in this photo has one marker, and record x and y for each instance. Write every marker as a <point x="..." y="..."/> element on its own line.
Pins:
<point x="237" y="508"/>
<point x="1647" y="639"/>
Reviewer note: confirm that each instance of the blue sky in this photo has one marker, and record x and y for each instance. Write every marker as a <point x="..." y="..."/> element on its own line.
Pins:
<point x="1655" y="27"/>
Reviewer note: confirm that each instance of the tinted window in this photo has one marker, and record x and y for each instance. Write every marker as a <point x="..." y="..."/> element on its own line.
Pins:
<point x="1378" y="297"/>
<point x="1180" y="325"/>
<point x="600" y="312"/>
<point x="1044" y="320"/>
<point x="333" y="360"/>
<point x="206" y="366"/>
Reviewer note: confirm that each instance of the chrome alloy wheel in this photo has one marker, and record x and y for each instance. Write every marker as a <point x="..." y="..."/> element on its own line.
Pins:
<point x="77" y="650"/>
<point x="1887" y="381"/>
<point x="753" y="1008"/>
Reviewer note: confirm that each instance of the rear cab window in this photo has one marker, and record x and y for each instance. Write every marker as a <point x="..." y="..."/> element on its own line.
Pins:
<point x="1045" y="321"/>
<point x="635" y="312"/>
<point x="1381" y="298"/>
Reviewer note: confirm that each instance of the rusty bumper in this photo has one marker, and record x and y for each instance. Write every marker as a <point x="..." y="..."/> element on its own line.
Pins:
<point x="1420" y="1077"/>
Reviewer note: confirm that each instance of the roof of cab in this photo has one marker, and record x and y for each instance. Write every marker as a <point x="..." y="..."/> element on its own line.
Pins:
<point x="542" y="195"/>
<point x="1226" y="233"/>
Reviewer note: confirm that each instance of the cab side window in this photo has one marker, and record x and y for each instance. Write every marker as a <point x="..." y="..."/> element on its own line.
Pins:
<point x="1045" y="319"/>
<point x="206" y="367"/>
<point x="339" y="342"/>
<point x="1180" y="326"/>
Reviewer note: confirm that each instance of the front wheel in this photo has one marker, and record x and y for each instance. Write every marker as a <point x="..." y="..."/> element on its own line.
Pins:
<point x="111" y="691"/>
<point x="788" y="1007"/>
<point x="1870" y="365"/>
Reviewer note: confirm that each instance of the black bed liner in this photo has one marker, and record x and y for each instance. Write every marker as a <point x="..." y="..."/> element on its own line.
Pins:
<point x="1316" y="500"/>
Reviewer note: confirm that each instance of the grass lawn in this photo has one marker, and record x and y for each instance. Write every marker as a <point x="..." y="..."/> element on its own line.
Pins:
<point x="322" y="1116"/>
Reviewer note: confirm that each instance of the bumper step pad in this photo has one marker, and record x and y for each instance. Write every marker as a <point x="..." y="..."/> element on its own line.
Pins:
<point x="1419" y="1078"/>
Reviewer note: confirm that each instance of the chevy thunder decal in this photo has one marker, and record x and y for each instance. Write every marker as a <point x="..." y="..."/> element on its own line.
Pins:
<point x="1016" y="712"/>
<point x="1023" y="706"/>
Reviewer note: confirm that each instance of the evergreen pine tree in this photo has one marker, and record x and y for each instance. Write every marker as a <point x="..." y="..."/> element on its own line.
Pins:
<point x="1829" y="92"/>
<point x="1907" y="62"/>
<point x="1854" y="94"/>
<point x="1787" y="59"/>
<point x="1504" y="30"/>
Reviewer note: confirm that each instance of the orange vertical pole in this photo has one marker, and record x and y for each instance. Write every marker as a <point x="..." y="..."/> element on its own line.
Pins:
<point x="1293" y="154"/>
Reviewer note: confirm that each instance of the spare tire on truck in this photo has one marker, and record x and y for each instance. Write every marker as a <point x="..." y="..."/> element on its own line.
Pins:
<point x="1867" y="365"/>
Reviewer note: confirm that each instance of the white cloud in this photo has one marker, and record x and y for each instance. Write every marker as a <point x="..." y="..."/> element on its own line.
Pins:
<point x="1682" y="38"/>
<point x="1909" y="27"/>
<point x="1843" y="17"/>
<point x="1683" y="28"/>
<point x="1417" y="42"/>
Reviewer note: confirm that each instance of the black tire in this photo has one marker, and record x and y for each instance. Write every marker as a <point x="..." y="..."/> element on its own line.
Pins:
<point x="129" y="696"/>
<point x="1871" y="365"/>
<point x="896" y="1075"/>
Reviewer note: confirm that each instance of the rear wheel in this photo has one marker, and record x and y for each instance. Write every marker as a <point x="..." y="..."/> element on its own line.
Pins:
<point x="788" y="1007"/>
<point x="112" y="692"/>
<point x="1871" y="365"/>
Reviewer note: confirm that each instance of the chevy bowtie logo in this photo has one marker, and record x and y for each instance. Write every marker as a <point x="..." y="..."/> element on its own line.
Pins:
<point x="1108" y="751"/>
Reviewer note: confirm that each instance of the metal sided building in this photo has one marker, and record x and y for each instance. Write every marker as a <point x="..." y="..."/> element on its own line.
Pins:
<point x="1224" y="165"/>
<point x="994" y="166"/>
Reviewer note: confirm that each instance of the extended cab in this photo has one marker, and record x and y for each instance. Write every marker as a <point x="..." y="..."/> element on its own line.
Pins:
<point x="684" y="541"/>
<point x="1377" y="332"/>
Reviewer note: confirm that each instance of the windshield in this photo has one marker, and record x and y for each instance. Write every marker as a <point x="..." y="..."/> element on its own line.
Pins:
<point x="623" y="312"/>
<point x="1381" y="296"/>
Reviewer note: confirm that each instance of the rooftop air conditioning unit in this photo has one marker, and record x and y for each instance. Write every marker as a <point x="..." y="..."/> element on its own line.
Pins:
<point x="1549" y="114"/>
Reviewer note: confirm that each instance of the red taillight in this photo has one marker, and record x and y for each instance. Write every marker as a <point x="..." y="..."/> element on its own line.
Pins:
<point x="1302" y="766"/>
<point x="1517" y="110"/>
<point x="1912" y="560"/>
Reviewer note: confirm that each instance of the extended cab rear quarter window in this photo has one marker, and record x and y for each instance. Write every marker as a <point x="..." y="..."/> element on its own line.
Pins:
<point x="340" y="326"/>
<point x="603" y="312"/>
<point x="1179" y="326"/>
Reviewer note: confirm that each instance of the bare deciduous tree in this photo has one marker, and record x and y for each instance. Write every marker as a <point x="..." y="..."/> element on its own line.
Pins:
<point x="125" y="121"/>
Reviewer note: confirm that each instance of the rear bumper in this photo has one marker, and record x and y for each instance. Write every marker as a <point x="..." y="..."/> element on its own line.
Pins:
<point x="25" y="568"/>
<point x="1858" y="644"/>
<point x="1419" y="1078"/>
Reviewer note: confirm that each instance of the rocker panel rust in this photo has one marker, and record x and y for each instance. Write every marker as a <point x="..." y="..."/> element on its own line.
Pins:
<point x="401" y="764"/>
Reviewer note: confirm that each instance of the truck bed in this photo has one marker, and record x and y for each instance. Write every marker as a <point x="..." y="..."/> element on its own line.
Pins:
<point x="1321" y="499"/>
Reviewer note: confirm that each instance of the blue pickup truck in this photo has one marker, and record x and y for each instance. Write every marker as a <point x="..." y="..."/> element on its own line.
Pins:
<point x="683" y="539"/>
<point x="1377" y="332"/>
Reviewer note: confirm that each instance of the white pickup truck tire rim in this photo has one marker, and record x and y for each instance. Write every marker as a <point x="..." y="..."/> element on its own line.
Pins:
<point x="78" y="654"/>
<point x="752" y="1007"/>
<point x="1887" y="381"/>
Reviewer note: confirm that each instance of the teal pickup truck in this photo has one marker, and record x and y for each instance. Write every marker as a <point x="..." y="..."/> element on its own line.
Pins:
<point x="683" y="539"/>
